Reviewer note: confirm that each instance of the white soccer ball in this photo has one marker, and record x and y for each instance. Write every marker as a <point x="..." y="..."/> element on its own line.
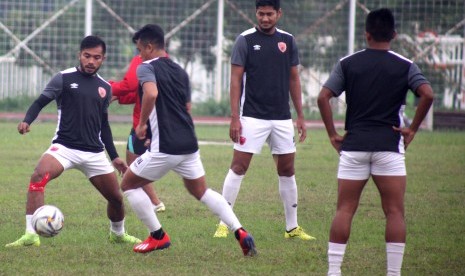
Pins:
<point x="48" y="221"/>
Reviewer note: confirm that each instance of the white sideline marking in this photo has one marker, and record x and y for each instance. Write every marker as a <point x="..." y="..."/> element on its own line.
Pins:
<point x="213" y="143"/>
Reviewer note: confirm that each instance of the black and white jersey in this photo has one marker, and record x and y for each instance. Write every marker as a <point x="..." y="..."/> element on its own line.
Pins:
<point x="81" y="102"/>
<point x="171" y="126"/>
<point x="267" y="60"/>
<point x="376" y="83"/>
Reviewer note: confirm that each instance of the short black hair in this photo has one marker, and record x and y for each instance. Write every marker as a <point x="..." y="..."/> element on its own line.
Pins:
<point x="262" y="3"/>
<point x="93" y="41"/>
<point x="150" y="33"/>
<point x="380" y="25"/>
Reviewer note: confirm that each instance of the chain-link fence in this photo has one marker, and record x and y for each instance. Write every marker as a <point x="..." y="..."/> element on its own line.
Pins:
<point x="39" y="38"/>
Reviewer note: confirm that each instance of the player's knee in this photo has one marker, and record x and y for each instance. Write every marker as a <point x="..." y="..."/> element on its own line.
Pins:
<point x="239" y="169"/>
<point x="39" y="186"/>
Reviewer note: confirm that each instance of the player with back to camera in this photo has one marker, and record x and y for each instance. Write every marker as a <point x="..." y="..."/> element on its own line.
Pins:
<point x="264" y="72"/>
<point x="82" y="98"/>
<point x="376" y="81"/>
<point x="125" y="91"/>
<point x="173" y="146"/>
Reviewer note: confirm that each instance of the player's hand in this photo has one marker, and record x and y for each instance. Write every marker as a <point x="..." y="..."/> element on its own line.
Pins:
<point x="147" y="143"/>
<point x="336" y="142"/>
<point x="407" y="133"/>
<point x="23" y="128"/>
<point x="301" y="129"/>
<point x="119" y="165"/>
<point x="235" y="130"/>
<point x="141" y="131"/>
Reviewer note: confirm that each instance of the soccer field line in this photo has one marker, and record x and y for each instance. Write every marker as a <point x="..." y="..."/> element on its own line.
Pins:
<point x="212" y="143"/>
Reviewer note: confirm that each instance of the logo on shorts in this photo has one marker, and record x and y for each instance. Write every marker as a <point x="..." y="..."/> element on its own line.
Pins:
<point x="242" y="140"/>
<point x="139" y="160"/>
<point x="282" y="46"/>
<point x="102" y="92"/>
<point x="54" y="148"/>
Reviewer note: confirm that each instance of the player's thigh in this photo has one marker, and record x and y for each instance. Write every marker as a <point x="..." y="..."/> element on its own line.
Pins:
<point x="354" y="165"/>
<point x="392" y="191"/>
<point x="349" y="193"/>
<point x="196" y="187"/>
<point x="107" y="185"/>
<point x="47" y="164"/>
<point x="255" y="132"/>
<point x="153" y="165"/>
<point x="282" y="138"/>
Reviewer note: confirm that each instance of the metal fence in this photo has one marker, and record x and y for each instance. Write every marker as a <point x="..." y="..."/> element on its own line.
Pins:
<point x="39" y="38"/>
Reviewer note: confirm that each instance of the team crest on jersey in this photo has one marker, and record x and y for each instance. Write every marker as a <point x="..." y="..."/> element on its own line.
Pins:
<point x="102" y="92"/>
<point x="282" y="46"/>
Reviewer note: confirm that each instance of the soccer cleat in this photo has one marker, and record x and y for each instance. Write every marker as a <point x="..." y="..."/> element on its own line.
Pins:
<point x="298" y="232"/>
<point x="125" y="238"/>
<point x="222" y="231"/>
<point x="159" y="208"/>
<point x="246" y="242"/>
<point x="27" y="239"/>
<point x="151" y="244"/>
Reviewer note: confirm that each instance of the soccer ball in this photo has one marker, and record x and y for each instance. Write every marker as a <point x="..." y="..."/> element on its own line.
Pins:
<point x="48" y="221"/>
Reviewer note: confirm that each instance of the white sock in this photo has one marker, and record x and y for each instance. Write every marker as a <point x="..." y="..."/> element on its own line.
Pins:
<point x="231" y="186"/>
<point x="142" y="206"/>
<point x="288" y="192"/>
<point x="335" y="256"/>
<point x="220" y="207"/>
<point x="29" y="227"/>
<point x="395" y="255"/>
<point x="117" y="227"/>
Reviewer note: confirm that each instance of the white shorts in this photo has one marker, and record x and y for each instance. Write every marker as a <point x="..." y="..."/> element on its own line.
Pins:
<point x="90" y="163"/>
<point x="359" y="165"/>
<point x="154" y="165"/>
<point x="279" y="134"/>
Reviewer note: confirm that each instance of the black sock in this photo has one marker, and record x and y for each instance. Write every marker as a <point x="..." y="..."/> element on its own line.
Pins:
<point x="158" y="235"/>
<point x="236" y="233"/>
<point x="291" y="230"/>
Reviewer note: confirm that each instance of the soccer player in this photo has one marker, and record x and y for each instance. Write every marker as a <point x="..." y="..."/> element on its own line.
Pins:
<point x="82" y="135"/>
<point x="376" y="81"/>
<point x="126" y="92"/>
<point x="165" y="112"/>
<point x="263" y="73"/>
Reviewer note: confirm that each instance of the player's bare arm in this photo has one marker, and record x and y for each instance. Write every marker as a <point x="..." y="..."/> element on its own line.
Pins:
<point x="148" y="103"/>
<point x="235" y="127"/>
<point x="327" y="117"/>
<point x="296" y="96"/>
<point x="426" y="100"/>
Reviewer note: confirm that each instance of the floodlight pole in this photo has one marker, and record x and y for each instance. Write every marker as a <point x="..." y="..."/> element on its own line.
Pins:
<point x="351" y="27"/>
<point x="219" y="52"/>
<point x="88" y="30"/>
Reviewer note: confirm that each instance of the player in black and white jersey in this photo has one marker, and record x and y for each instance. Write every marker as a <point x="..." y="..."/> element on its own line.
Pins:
<point x="264" y="72"/>
<point x="82" y="135"/>
<point x="165" y="112"/>
<point x="376" y="81"/>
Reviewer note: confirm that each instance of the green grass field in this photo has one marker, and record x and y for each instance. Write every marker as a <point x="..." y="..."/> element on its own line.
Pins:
<point x="435" y="213"/>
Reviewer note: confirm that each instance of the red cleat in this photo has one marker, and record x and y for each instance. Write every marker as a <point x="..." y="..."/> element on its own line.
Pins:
<point x="246" y="242"/>
<point x="151" y="244"/>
